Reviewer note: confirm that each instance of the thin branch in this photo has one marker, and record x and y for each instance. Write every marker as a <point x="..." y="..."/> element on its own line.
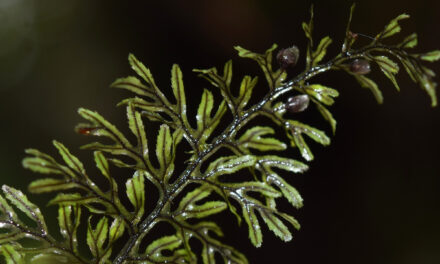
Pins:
<point x="238" y="122"/>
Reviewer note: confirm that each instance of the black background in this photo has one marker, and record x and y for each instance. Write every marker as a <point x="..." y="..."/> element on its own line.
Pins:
<point x="371" y="197"/>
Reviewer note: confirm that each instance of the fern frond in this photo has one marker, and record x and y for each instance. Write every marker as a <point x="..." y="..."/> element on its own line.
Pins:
<point x="248" y="182"/>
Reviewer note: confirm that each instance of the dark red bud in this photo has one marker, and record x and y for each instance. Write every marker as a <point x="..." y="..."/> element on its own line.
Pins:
<point x="85" y="130"/>
<point x="288" y="57"/>
<point x="352" y="35"/>
<point x="359" y="66"/>
<point x="297" y="103"/>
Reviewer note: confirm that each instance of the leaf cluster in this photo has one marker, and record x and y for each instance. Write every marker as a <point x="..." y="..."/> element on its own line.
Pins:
<point x="210" y="183"/>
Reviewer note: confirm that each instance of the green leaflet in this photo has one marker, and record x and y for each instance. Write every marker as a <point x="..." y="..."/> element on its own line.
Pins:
<point x="51" y="185"/>
<point x="97" y="236"/>
<point x="117" y="229"/>
<point x="120" y="164"/>
<point x="137" y="128"/>
<point x="204" y="210"/>
<point x="273" y="78"/>
<point x="211" y="246"/>
<point x="164" y="145"/>
<point x="269" y="215"/>
<point x="154" y="250"/>
<point x="102" y="165"/>
<point x="104" y="128"/>
<point x="151" y="108"/>
<point x="387" y="64"/>
<point x="255" y="234"/>
<point x="321" y="50"/>
<point x="141" y="70"/>
<point x="429" y="86"/>
<point x="252" y="139"/>
<point x="88" y="201"/>
<point x="349" y="39"/>
<point x="70" y="198"/>
<point x="136" y="194"/>
<point x="222" y="82"/>
<point x="422" y="76"/>
<point x="189" y="209"/>
<point x="392" y="28"/>
<point x="246" y="87"/>
<point x="11" y="236"/>
<point x="12" y="256"/>
<point x="283" y="163"/>
<point x="20" y="200"/>
<point x="322" y="93"/>
<point x="290" y="219"/>
<point x="276" y="225"/>
<point x="41" y="165"/>
<point x="295" y="135"/>
<point x="204" y="111"/>
<point x="165" y="148"/>
<point x="239" y="192"/>
<point x="431" y="56"/>
<point x="205" y="123"/>
<point x="229" y="165"/>
<point x="51" y="258"/>
<point x="224" y="194"/>
<point x="111" y="149"/>
<point x="298" y="141"/>
<point x="71" y="161"/>
<point x="289" y="192"/>
<point x="389" y="68"/>
<point x="409" y="42"/>
<point x="69" y="226"/>
<point x="327" y="116"/>
<point x="366" y="82"/>
<point x="227" y="73"/>
<point x="179" y="92"/>
<point x="410" y="69"/>
<point x="259" y="187"/>
<point x="308" y="29"/>
<point x="7" y="210"/>
<point x="134" y="85"/>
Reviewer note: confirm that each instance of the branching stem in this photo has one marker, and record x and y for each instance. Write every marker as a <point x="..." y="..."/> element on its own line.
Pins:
<point x="237" y="122"/>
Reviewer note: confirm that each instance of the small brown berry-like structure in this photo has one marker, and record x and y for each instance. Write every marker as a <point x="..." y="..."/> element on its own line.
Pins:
<point x="359" y="66"/>
<point x="298" y="103"/>
<point x="85" y="130"/>
<point x="288" y="57"/>
<point x="352" y="35"/>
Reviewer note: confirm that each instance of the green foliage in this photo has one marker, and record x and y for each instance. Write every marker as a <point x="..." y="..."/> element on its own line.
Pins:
<point x="208" y="185"/>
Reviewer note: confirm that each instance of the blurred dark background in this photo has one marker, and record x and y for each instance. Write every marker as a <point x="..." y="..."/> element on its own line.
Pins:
<point x="371" y="197"/>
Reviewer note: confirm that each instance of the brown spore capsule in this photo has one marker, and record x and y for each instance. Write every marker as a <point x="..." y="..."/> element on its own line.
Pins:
<point x="352" y="35"/>
<point x="288" y="57"/>
<point x="298" y="103"/>
<point x="85" y="130"/>
<point x="360" y="66"/>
